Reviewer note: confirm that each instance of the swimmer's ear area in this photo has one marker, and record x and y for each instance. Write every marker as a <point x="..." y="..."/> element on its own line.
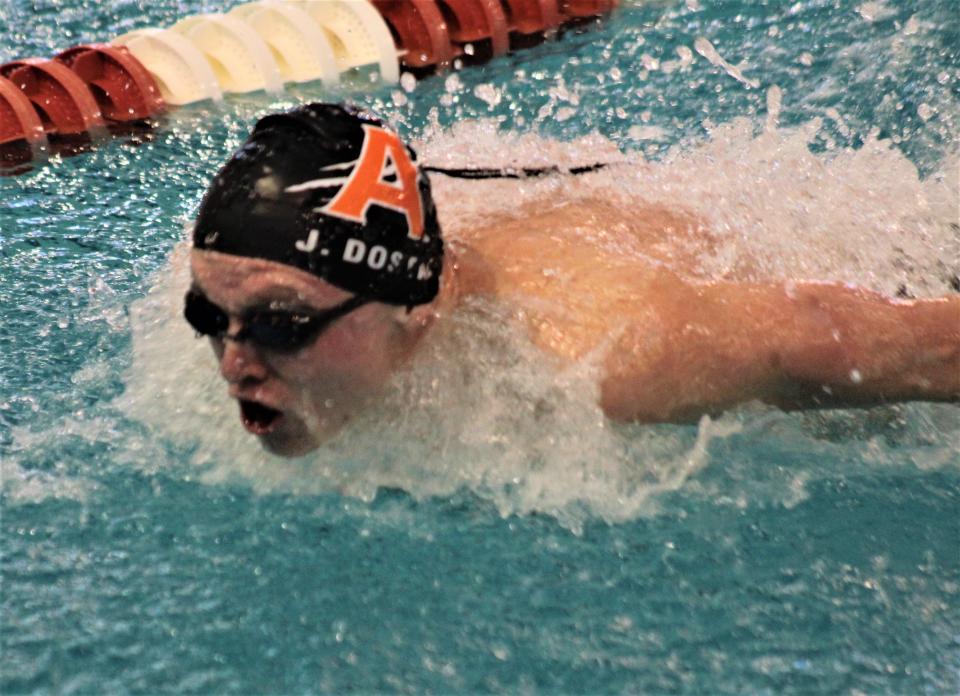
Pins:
<point x="412" y="323"/>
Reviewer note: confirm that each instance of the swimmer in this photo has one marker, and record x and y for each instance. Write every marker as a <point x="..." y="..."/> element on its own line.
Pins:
<point x="319" y="269"/>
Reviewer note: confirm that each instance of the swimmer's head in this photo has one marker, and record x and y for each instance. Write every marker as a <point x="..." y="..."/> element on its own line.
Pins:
<point x="330" y="190"/>
<point x="317" y="257"/>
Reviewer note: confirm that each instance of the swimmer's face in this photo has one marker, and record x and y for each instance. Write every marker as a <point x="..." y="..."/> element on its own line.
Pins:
<point x="294" y="400"/>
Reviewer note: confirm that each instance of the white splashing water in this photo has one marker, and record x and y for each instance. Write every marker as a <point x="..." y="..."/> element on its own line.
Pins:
<point x="874" y="11"/>
<point x="22" y="486"/>
<point x="774" y="101"/>
<point x="708" y="51"/>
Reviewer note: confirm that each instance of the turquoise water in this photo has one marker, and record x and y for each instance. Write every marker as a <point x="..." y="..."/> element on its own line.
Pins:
<point x="148" y="546"/>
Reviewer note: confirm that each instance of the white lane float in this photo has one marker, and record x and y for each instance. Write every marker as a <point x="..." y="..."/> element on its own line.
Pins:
<point x="358" y="33"/>
<point x="301" y="49"/>
<point x="240" y="59"/>
<point x="182" y="73"/>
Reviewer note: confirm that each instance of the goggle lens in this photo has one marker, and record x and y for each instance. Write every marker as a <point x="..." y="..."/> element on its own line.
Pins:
<point x="275" y="330"/>
<point x="205" y="317"/>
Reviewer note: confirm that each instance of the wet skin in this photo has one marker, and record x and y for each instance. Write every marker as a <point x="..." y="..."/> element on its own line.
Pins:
<point x="622" y="287"/>
<point x="318" y="387"/>
<point x="621" y="284"/>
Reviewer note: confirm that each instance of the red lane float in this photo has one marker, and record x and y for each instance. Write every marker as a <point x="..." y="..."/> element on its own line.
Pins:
<point x="123" y="88"/>
<point x="18" y="119"/>
<point x="586" y="8"/>
<point x="421" y="31"/>
<point x="477" y="20"/>
<point x="533" y="16"/>
<point x="65" y="105"/>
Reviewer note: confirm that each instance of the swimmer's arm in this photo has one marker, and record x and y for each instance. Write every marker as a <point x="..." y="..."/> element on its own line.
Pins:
<point x="799" y="345"/>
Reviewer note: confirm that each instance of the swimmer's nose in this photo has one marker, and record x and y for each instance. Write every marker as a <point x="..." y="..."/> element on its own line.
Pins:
<point x="241" y="361"/>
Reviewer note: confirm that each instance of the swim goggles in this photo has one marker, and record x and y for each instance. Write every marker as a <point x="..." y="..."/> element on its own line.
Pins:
<point x="276" y="330"/>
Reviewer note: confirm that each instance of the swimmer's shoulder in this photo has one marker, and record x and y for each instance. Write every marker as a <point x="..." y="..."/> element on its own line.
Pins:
<point x="615" y="231"/>
<point x="634" y="216"/>
<point x="537" y="221"/>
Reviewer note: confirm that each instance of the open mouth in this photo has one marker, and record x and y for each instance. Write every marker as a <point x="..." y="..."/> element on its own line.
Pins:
<point x="258" y="418"/>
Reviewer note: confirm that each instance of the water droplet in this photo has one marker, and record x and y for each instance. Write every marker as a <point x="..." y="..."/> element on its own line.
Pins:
<point x="488" y="93"/>
<point x="452" y="83"/>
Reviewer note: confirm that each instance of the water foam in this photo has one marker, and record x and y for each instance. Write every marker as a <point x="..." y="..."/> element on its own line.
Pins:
<point x="21" y="486"/>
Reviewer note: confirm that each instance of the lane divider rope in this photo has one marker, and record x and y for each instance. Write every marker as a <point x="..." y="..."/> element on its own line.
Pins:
<point x="260" y="46"/>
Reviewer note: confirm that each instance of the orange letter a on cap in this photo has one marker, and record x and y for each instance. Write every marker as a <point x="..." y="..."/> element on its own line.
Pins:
<point x="366" y="184"/>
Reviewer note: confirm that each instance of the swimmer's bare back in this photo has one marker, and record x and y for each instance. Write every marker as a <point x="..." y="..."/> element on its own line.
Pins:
<point x="589" y="277"/>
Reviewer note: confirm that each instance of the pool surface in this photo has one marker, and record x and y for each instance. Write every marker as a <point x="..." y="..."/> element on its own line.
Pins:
<point x="486" y="529"/>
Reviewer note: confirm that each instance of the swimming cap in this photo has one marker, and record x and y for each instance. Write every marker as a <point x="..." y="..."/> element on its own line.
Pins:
<point x="329" y="189"/>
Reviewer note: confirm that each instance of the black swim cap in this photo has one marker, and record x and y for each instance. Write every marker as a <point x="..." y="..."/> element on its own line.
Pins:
<point x="328" y="189"/>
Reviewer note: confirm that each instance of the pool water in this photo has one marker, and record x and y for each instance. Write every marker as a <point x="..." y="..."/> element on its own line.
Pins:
<point x="485" y="529"/>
